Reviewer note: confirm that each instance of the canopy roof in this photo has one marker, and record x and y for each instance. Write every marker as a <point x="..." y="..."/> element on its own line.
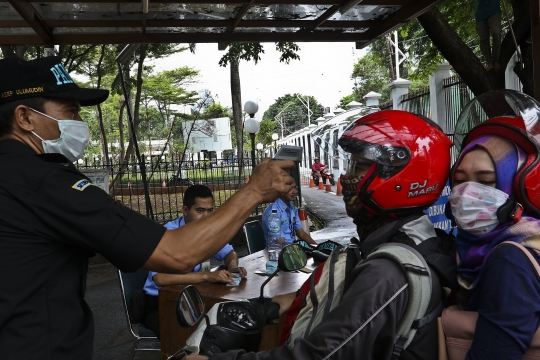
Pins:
<point x="106" y="22"/>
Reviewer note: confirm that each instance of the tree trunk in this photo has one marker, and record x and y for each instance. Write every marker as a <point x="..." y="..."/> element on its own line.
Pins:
<point x="464" y="61"/>
<point x="121" y="129"/>
<point x="236" y="96"/>
<point x="100" y="113"/>
<point x="129" y="151"/>
<point x="458" y="54"/>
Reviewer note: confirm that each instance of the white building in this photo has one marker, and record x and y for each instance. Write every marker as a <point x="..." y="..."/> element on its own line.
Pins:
<point x="322" y="139"/>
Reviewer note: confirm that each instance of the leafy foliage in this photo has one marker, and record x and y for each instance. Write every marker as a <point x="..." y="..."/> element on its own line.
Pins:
<point x="369" y="74"/>
<point x="292" y="111"/>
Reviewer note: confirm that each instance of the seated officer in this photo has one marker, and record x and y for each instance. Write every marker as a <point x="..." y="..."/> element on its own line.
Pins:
<point x="290" y="221"/>
<point x="198" y="202"/>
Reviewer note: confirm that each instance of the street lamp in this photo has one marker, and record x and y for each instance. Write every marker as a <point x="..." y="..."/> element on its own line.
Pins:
<point x="275" y="137"/>
<point x="252" y="126"/>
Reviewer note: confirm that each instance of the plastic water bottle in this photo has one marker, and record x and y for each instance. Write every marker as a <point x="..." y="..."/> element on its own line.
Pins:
<point x="274" y="236"/>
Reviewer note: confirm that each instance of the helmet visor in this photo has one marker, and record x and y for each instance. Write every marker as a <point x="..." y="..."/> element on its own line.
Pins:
<point x="498" y="103"/>
<point x="376" y="142"/>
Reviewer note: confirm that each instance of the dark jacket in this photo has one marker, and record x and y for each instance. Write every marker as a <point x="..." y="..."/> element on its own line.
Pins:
<point x="364" y="325"/>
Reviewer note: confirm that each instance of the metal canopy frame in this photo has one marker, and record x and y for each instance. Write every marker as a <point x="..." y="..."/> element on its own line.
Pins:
<point x="59" y="22"/>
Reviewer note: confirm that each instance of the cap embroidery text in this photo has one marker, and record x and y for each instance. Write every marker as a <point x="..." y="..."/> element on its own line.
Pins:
<point x="62" y="76"/>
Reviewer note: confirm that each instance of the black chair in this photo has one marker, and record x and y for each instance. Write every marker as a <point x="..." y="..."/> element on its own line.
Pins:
<point x="129" y="282"/>
<point x="254" y="236"/>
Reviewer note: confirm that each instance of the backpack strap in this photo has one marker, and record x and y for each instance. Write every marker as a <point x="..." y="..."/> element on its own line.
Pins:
<point x="525" y="252"/>
<point x="419" y="283"/>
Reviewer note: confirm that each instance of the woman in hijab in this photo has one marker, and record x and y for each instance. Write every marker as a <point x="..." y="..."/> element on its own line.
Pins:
<point x="495" y="199"/>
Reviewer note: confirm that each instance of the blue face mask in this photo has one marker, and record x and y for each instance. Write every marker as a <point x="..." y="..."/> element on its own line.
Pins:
<point x="74" y="137"/>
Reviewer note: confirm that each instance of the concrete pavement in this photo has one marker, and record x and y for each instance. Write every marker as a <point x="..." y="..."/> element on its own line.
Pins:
<point x="113" y="340"/>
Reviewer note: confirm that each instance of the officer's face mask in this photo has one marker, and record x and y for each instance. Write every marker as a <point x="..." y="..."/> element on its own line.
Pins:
<point x="475" y="206"/>
<point x="74" y="136"/>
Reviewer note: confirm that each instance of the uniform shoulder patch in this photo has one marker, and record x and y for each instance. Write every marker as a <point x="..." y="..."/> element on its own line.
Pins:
<point x="82" y="184"/>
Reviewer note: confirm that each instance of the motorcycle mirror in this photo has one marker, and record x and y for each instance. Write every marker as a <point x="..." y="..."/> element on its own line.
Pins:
<point x="292" y="258"/>
<point x="190" y="306"/>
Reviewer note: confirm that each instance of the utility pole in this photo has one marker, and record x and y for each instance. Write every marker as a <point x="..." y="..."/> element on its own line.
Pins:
<point x="306" y="104"/>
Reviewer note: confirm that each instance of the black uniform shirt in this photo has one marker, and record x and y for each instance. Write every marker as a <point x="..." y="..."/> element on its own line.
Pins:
<point x="52" y="219"/>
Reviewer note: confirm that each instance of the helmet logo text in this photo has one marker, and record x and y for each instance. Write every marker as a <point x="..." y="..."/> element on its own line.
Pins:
<point x="417" y="189"/>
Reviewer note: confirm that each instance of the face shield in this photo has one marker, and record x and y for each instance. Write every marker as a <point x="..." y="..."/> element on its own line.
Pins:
<point x="499" y="103"/>
<point x="365" y="144"/>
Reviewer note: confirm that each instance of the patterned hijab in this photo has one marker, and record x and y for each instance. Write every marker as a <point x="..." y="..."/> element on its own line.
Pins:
<point x="473" y="251"/>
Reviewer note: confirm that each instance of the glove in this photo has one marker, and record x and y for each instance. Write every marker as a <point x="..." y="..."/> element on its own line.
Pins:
<point x="272" y="312"/>
<point x="268" y="309"/>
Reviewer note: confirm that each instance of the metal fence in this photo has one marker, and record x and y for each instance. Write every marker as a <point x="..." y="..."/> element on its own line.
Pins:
<point x="387" y="105"/>
<point x="168" y="178"/>
<point x="456" y="96"/>
<point x="417" y="102"/>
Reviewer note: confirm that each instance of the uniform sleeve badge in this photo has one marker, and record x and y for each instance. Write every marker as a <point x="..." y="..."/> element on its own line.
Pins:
<point x="82" y="184"/>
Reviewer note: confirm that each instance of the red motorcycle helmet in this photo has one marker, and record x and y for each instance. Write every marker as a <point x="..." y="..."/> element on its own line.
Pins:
<point x="411" y="161"/>
<point x="514" y="116"/>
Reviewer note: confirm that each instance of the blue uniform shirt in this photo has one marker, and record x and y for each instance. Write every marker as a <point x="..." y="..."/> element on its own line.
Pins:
<point x="151" y="288"/>
<point x="290" y="222"/>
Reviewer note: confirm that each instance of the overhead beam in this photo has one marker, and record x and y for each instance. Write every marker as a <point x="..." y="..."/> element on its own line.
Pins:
<point x="186" y="23"/>
<point x="325" y="16"/>
<point x="398" y="18"/>
<point x="139" y="38"/>
<point x="29" y="14"/>
<point x="243" y="10"/>
<point x="240" y="2"/>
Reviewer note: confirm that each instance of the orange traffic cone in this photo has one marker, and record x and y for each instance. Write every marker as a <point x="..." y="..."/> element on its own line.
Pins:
<point x="163" y="184"/>
<point x="339" y="189"/>
<point x="311" y="183"/>
<point x="328" y="186"/>
<point x="321" y="184"/>
<point x="303" y="219"/>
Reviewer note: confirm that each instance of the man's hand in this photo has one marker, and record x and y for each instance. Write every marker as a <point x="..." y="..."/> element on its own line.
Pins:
<point x="270" y="179"/>
<point x="222" y="276"/>
<point x="239" y="270"/>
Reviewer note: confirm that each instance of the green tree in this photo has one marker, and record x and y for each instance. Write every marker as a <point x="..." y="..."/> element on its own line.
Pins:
<point x="290" y="110"/>
<point x="249" y="52"/>
<point x="370" y="75"/>
<point x="447" y="32"/>
<point x="268" y="127"/>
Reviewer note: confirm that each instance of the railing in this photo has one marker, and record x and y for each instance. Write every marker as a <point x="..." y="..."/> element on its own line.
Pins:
<point x="456" y="96"/>
<point x="167" y="180"/>
<point x="417" y="102"/>
<point x="387" y="105"/>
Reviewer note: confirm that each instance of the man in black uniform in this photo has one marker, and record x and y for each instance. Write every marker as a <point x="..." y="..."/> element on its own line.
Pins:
<point x="52" y="219"/>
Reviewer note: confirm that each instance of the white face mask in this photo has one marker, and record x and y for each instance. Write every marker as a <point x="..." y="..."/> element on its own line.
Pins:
<point x="475" y="206"/>
<point x="74" y="136"/>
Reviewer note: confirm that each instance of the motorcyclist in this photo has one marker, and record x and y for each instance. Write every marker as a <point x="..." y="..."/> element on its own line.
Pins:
<point x="392" y="154"/>
<point x="317" y="165"/>
<point x="316" y="169"/>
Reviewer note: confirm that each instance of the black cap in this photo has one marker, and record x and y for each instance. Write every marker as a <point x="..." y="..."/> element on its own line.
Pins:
<point x="45" y="77"/>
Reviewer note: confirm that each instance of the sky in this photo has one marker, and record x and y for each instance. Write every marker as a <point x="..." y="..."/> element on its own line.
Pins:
<point x="323" y="71"/>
